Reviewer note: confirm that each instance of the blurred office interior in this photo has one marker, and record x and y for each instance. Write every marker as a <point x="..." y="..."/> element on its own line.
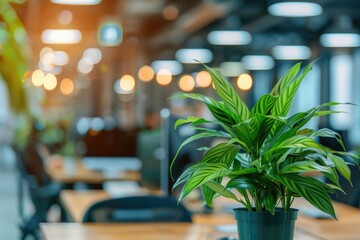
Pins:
<point x="97" y="79"/>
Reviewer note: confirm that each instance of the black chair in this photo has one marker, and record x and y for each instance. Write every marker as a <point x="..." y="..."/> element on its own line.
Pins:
<point x="43" y="192"/>
<point x="137" y="209"/>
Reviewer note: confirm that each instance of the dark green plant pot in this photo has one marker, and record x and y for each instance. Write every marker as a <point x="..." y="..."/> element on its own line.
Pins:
<point x="263" y="225"/>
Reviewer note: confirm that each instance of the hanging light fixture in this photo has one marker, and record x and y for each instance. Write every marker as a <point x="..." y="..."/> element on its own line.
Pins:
<point x="230" y="34"/>
<point x="77" y="2"/>
<point x="341" y="34"/>
<point x="291" y="8"/>
<point x="291" y="52"/>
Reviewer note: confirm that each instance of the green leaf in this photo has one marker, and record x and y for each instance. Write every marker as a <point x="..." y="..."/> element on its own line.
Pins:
<point x="217" y="109"/>
<point x="210" y="133"/>
<point x="221" y="190"/>
<point x="264" y="104"/>
<point x="191" y="120"/>
<point x="286" y="79"/>
<point x="244" y="182"/>
<point x="286" y="95"/>
<point x="311" y="189"/>
<point x="247" y="132"/>
<point x="230" y="97"/>
<point x="223" y="153"/>
<point x="240" y="143"/>
<point x="209" y="193"/>
<point x="269" y="200"/>
<point x="341" y="166"/>
<point x="203" y="172"/>
<point x="304" y="166"/>
<point x="296" y="142"/>
<point x="325" y="132"/>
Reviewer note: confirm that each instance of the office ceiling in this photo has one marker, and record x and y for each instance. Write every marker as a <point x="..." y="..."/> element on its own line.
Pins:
<point x="144" y="20"/>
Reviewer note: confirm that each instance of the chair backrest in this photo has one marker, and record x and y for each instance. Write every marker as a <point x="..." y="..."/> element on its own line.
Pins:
<point x="33" y="164"/>
<point x="137" y="209"/>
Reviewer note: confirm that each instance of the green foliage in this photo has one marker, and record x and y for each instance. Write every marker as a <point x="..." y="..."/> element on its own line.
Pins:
<point x="266" y="154"/>
<point x="14" y="54"/>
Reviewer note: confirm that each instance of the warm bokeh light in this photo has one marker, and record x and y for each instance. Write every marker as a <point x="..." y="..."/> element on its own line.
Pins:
<point x="146" y="73"/>
<point x="37" y="78"/>
<point x="50" y="82"/>
<point x="48" y="59"/>
<point x="203" y="79"/>
<point x="170" y="12"/>
<point x="244" y="81"/>
<point x="163" y="77"/>
<point x="187" y="83"/>
<point x="66" y="86"/>
<point x="127" y="83"/>
<point x="44" y="51"/>
<point x="85" y="65"/>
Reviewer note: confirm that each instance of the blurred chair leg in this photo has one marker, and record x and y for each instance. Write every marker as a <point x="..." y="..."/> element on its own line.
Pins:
<point x="31" y="226"/>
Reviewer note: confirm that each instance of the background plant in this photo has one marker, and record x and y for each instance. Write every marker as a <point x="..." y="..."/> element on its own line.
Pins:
<point x="265" y="153"/>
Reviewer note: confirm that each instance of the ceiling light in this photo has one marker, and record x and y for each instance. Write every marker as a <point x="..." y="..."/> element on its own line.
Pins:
<point x="341" y="34"/>
<point x="173" y="66"/>
<point x="295" y="9"/>
<point x="94" y="54"/>
<point x="229" y="37"/>
<point x="110" y="34"/>
<point x="61" y="36"/>
<point x="85" y="65"/>
<point x="77" y="2"/>
<point x="61" y="58"/>
<point x="194" y="55"/>
<point x="291" y="52"/>
<point x="258" y="62"/>
<point x="340" y="40"/>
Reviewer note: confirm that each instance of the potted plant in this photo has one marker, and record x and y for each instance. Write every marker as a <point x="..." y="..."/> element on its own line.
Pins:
<point x="263" y="160"/>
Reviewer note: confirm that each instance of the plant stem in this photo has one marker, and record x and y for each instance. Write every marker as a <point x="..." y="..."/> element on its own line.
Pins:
<point x="283" y="202"/>
<point x="248" y="205"/>
<point x="257" y="202"/>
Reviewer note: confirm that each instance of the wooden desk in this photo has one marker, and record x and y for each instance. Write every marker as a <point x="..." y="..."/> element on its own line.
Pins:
<point x="346" y="228"/>
<point x="59" y="173"/>
<point x="140" y="231"/>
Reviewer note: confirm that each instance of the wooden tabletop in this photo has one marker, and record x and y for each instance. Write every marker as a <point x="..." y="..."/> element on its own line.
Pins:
<point x="347" y="227"/>
<point x="59" y="171"/>
<point x="140" y="231"/>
